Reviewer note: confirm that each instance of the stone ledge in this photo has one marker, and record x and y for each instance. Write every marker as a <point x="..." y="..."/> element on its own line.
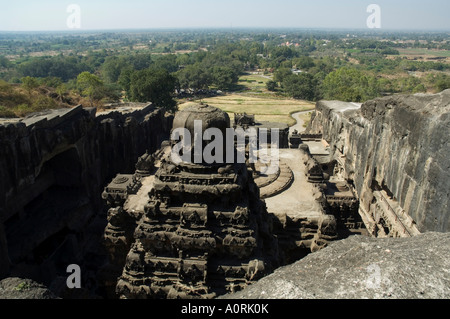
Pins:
<point x="360" y="267"/>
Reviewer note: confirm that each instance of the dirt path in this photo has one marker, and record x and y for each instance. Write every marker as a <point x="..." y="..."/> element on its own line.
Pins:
<point x="299" y="126"/>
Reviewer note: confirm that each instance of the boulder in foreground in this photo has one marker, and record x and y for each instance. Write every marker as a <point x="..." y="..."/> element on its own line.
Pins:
<point x="362" y="267"/>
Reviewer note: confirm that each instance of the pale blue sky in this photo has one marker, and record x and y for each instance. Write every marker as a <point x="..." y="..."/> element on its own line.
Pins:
<point x="27" y="15"/>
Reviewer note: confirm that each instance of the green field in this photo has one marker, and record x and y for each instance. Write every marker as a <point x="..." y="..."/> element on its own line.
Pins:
<point x="254" y="82"/>
<point x="419" y="51"/>
<point x="265" y="108"/>
<point x="257" y="100"/>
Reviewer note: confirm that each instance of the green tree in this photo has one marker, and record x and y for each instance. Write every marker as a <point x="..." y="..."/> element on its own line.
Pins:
<point x="280" y="74"/>
<point x="167" y="62"/>
<point x="112" y="68"/>
<point x="29" y="83"/>
<point x="90" y="86"/>
<point x="140" y="61"/>
<point x="42" y="103"/>
<point x="6" y="112"/>
<point x="224" y="77"/>
<point x="124" y="79"/>
<point x="302" y="86"/>
<point x="410" y="84"/>
<point x="194" y="77"/>
<point x="349" y="84"/>
<point x="154" y="85"/>
<point x="61" y="90"/>
<point x="271" y="85"/>
<point x="64" y="67"/>
<point x="4" y="62"/>
<point x="303" y="62"/>
<point x="443" y="83"/>
<point x="50" y="81"/>
<point x="420" y="88"/>
<point x="439" y="81"/>
<point x="283" y="53"/>
<point x="183" y="59"/>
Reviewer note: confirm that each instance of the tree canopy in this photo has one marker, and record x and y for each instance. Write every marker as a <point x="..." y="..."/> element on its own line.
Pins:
<point x="349" y="84"/>
<point x="301" y="86"/>
<point x="91" y="86"/>
<point x="153" y="85"/>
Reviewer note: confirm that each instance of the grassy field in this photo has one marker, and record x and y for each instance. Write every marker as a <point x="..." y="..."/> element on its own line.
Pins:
<point x="254" y="98"/>
<point x="265" y="108"/>
<point x="425" y="52"/>
<point x="254" y="82"/>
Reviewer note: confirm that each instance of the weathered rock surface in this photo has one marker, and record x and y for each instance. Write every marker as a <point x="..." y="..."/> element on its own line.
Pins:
<point x="360" y="267"/>
<point x="396" y="152"/>
<point x="53" y="167"/>
<point x="18" y="288"/>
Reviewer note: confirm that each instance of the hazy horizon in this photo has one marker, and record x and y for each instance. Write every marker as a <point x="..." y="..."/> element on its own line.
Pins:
<point x="229" y="29"/>
<point x="115" y="15"/>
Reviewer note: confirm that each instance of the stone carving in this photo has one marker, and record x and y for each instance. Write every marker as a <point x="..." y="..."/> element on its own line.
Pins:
<point x="241" y="119"/>
<point x="335" y="195"/>
<point x="145" y="165"/>
<point x="118" y="190"/>
<point x="394" y="144"/>
<point x="203" y="230"/>
<point x="295" y="139"/>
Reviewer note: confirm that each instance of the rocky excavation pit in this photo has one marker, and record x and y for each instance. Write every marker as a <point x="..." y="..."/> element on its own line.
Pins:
<point x="378" y="169"/>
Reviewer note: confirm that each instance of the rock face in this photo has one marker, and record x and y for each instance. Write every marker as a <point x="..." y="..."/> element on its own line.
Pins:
<point x="395" y="151"/>
<point x="53" y="167"/>
<point x="18" y="288"/>
<point x="360" y="267"/>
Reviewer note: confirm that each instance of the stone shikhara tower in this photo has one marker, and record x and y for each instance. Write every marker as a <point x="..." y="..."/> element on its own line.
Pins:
<point x="189" y="230"/>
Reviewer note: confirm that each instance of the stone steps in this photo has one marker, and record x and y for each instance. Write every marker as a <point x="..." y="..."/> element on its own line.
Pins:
<point x="282" y="182"/>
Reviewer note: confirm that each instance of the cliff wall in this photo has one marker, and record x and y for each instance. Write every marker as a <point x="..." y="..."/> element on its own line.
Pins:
<point x="396" y="152"/>
<point x="53" y="168"/>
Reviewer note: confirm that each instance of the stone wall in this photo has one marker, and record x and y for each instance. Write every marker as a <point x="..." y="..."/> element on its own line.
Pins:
<point x="395" y="151"/>
<point x="53" y="168"/>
